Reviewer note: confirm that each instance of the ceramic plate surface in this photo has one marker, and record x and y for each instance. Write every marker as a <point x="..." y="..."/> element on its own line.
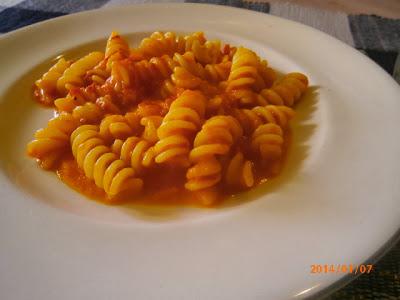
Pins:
<point x="336" y="202"/>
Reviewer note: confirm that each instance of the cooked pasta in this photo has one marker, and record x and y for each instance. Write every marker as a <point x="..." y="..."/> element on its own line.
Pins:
<point x="156" y="68"/>
<point x="287" y="91"/>
<point x="151" y="125"/>
<point x="51" y="141"/>
<point x="73" y="75"/>
<point x="216" y="138"/>
<point x="244" y="71"/>
<point x="116" y="49"/>
<point x="218" y="72"/>
<point x="250" y="119"/>
<point x="119" y="126"/>
<point x="98" y="74"/>
<point x="267" y="141"/>
<point x="137" y="152"/>
<point x="48" y="83"/>
<point x="239" y="172"/>
<point x="176" y="116"/>
<point x="179" y="126"/>
<point x="101" y="164"/>
<point x="158" y="44"/>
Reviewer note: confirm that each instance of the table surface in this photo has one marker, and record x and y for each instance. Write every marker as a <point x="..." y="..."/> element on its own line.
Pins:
<point x="350" y="21"/>
<point x="384" y="8"/>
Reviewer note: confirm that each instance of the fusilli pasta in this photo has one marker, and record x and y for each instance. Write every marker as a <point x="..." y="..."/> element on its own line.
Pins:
<point x="101" y="164"/>
<point x="73" y="75"/>
<point x="48" y="83"/>
<point x="179" y="114"/>
<point x="239" y="172"/>
<point x="216" y="137"/>
<point x="183" y="120"/>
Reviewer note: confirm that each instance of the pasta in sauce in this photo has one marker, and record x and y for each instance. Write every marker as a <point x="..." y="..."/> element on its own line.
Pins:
<point x="176" y="120"/>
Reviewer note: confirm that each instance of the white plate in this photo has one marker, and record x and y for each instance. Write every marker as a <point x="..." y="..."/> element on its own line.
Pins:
<point x="337" y="202"/>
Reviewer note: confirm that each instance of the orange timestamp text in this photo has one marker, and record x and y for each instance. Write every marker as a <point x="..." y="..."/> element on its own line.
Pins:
<point x="341" y="268"/>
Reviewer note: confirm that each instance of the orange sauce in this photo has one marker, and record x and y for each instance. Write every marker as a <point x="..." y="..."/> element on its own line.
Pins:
<point x="163" y="185"/>
<point x="43" y="97"/>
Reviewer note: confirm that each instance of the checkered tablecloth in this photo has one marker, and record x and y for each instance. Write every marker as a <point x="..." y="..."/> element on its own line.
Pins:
<point x="376" y="37"/>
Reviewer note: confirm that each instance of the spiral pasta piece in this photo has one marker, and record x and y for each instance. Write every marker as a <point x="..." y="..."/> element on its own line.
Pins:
<point x="250" y="119"/>
<point x="158" y="44"/>
<point x="216" y="137"/>
<point x="116" y="49"/>
<point x="184" y="79"/>
<point x="137" y="152"/>
<point x="51" y="142"/>
<point x="48" y="82"/>
<point x="267" y="142"/>
<point x="188" y="42"/>
<point x="183" y="120"/>
<point x="218" y="72"/>
<point x="88" y="113"/>
<point x="67" y="103"/>
<point x="207" y="53"/>
<point x="189" y="74"/>
<point x="212" y="72"/>
<point x="151" y="125"/>
<point x="99" y="74"/>
<point x="203" y="175"/>
<point x="189" y="63"/>
<point x="286" y="91"/>
<point x="76" y="97"/>
<point x="100" y="164"/>
<point x="119" y="126"/>
<point x="156" y="68"/>
<point x="244" y="71"/>
<point x="73" y="75"/>
<point x="121" y="76"/>
<point x="239" y="172"/>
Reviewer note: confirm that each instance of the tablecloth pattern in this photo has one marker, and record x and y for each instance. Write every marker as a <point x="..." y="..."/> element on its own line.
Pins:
<point x="376" y="37"/>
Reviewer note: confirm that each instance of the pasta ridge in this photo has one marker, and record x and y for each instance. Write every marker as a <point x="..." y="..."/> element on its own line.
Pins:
<point x="119" y="126"/>
<point x="216" y="138"/>
<point x="73" y="75"/>
<point x="137" y="152"/>
<point x="116" y="49"/>
<point x="183" y="120"/>
<point x="250" y="119"/>
<point x="267" y="142"/>
<point x="287" y="91"/>
<point x="239" y="172"/>
<point x="100" y="164"/>
<point x="48" y="82"/>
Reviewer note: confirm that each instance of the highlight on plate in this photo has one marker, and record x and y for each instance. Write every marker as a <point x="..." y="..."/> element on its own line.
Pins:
<point x="178" y="119"/>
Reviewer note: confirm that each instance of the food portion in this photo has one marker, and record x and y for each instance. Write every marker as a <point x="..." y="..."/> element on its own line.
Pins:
<point x="178" y="119"/>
